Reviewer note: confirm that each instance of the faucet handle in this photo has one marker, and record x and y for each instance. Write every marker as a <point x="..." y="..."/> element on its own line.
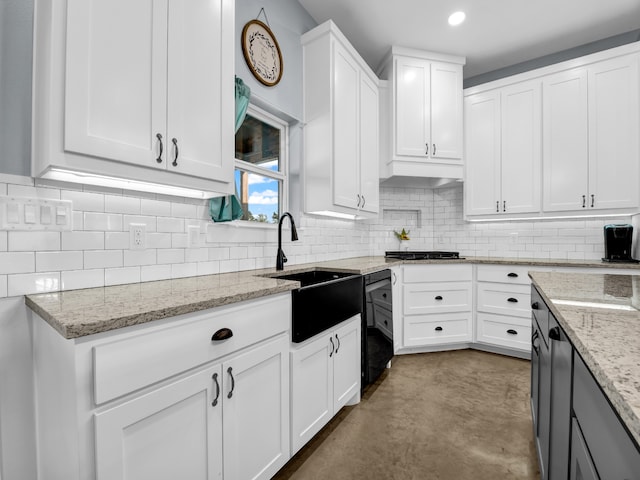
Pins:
<point x="284" y="258"/>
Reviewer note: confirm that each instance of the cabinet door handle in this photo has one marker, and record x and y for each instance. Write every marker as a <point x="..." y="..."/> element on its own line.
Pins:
<point x="498" y="206"/>
<point x="504" y="206"/>
<point x="332" y="347"/>
<point x="427" y="152"/>
<point x="512" y="300"/>
<point x="222" y="334"/>
<point x="512" y="275"/>
<point x="554" y="333"/>
<point x="358" y="200"/>
<point x="593" y="200"/>
<point x="364" y="200"/>
<point x="159" y="137"/>
<point x="535" y="306"/>
<point x="439" y="297"/>
<point x="584" y="201"/>
<point x="384" y="295"/>
<point x="215" y="380"/>
<point x="535" y="337"/>
<point x="337" y="346"/>
<point x="438" y="329"/>
<point x="233" y="382"/>
<point x="175" y="158"/>
<point x="511" y="331"/>
<point x="434" y="149"/>
<point x="395" y="278"/>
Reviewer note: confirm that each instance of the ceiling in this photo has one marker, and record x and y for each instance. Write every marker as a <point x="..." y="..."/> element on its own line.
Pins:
<point x="496" y="33"/>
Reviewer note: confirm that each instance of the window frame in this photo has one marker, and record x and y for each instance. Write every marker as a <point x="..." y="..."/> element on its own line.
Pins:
<point x="282" y="175"/>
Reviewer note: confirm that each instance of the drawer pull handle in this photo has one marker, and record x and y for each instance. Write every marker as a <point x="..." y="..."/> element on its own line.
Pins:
<point x="215" y="380"/>
<point x="337" y="346"/>
<point x="511" y="331"/>
<point x="439" y="297"/>
<point x="233" y="382"/>
<point x="438" y="329"/>
<point x="535" y="306"/>
<point x="222" y="334"/>
<point x="175" y="146"/>
<point x="386" y="322"/>
<point x="332" y="347"/>
<point x="384" y="295"/>
<point x="512" y="275"/>
<point x="512" y="300"/>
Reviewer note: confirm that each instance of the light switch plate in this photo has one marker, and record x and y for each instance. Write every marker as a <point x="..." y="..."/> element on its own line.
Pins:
<point x="32" y="214"/>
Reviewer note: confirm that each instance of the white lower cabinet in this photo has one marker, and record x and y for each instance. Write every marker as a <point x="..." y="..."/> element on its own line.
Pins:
<point x="165" y="400"/>
<point x="325" y="376"/>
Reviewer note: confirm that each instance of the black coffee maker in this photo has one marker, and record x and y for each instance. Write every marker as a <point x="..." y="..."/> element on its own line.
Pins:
<point x="617" y="243"/>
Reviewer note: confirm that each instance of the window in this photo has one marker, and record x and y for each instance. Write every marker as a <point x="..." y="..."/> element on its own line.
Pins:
<point x="261" y="166"/>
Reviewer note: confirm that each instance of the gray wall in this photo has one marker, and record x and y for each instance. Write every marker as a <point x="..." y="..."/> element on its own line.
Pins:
<point x="16" y="27"/>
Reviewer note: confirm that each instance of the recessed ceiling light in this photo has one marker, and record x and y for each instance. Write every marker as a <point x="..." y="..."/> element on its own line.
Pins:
<point x="456" y="18"/>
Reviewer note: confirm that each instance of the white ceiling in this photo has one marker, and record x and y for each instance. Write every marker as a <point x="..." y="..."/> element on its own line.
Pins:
<point x="496" y="33"/>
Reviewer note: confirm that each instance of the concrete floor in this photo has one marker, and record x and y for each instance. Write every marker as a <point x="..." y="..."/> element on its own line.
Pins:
<point x="439" y="416"/>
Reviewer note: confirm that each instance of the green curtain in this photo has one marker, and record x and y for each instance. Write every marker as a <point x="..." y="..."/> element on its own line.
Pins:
<point x="225" y="209"/>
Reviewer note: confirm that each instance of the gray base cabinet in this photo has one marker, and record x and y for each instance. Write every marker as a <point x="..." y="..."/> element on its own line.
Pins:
<point x="578" y="434"/>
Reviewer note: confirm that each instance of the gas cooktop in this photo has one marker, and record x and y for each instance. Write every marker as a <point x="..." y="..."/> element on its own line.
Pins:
<point x="430" y="255"/>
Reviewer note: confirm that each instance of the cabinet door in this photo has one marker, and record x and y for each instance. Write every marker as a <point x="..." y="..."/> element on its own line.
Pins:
<point x="346" y="173"/>
<point x="521" y="148"/>
<point x="172" y="432"/>
<point x="544" y="409"/>
<point x="581" y="464"/>
<point x="256" y="411"/>
<point x="200" y="73"/>
<point x="412" y="107"/>
<point x="311" y="390"/>
<point x="482" y="153"/>
<point x="116" y="84"/>
<point x="346" y="363"/>
<point x="369" y="146"/>
<point x="446" y="111"/>
<point x="613" y="133"/>
<point x="565" y="147"/>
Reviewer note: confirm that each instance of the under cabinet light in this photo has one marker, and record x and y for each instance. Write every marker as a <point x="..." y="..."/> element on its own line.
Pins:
<point x="121" y="183"/>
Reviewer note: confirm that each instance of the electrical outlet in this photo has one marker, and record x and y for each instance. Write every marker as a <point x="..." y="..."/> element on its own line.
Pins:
<point x="137" y="236"/>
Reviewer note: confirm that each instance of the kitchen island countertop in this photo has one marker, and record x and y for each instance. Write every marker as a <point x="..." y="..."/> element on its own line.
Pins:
<point x="77" y="313"/>
<point x="600" y="313"/>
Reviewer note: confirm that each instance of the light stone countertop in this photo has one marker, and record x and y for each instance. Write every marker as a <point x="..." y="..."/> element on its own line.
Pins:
<point x="77" y="313"/>
<point x="600" y="315"/>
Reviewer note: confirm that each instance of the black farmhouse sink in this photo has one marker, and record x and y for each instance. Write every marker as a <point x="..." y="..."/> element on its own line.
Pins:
<point x="323" y="300"/>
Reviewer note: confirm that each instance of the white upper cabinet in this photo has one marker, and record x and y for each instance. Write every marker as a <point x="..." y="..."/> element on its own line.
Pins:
<point x="136" y="90"/>
<point x="573" y="125"/>
<point x="426" y="106"/>
<point x="591" y="137"/>
<point x="341" y="110"/>
<point x="502" y="143"/>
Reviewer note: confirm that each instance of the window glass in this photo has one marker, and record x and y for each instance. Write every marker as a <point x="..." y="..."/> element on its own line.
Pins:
<point x="260" y="173"/>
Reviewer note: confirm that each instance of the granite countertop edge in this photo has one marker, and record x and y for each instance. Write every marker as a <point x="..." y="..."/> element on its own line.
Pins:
<point x="41" y="303"/>
<point x="628" y="416"/>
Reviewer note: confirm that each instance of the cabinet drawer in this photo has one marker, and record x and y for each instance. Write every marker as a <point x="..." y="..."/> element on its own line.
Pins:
<point x="437" y="329"/>
<point x="504" y="299"/>
<point x="137" y="360"/>
<point x="382" y="297"/>
<point x="437" y="273"/>
<point x="541" y="314"/>
<point x="518" y="275"/>
<point x="436" y="298"/>
<point x="504" y="331"/>
<point x="613" y="452"/>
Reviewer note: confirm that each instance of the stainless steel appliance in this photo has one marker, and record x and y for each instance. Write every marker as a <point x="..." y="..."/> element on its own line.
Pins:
<point x="422" y="255"/>
<point x="617" y="243"/>
<point x="377" y="326"/>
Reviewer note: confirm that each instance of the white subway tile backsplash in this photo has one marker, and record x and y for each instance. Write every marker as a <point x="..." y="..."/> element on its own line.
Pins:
<point x="150" y="273"/>
<point x="3" y="286"/>
<point x="102" y="221"/>
<point x="26" y="284"/>
<point x="181" y="270"/>
<point x="170" y="224"/>
<point x="84" y="201"/>
<point x="196" y="255"/>
<point x="155" y="208"/>
<point x="171" y="255"/>
<point x="77" y="279"/>
<point x="83" y="240"/>
<point x="179" y="240"/>
<point x="158" y="240"/>
<point x="208" y="268"/>
<point x="4" y="242"/>
<point x="184" y="210"/>
<point x="17" y="262"/>
<point x="120" y="276"/>
<point x="94" y="259"/>
<point x="118" y="204"/>
<point x="33" y="241"/>
<point x="219" y="253"/>
<point x="52" y="261"/>
<point x="32" y="192"/>
<point x="117" y="240"/>
<point x="139" y="257"/>
<point x="150" y="222"/>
